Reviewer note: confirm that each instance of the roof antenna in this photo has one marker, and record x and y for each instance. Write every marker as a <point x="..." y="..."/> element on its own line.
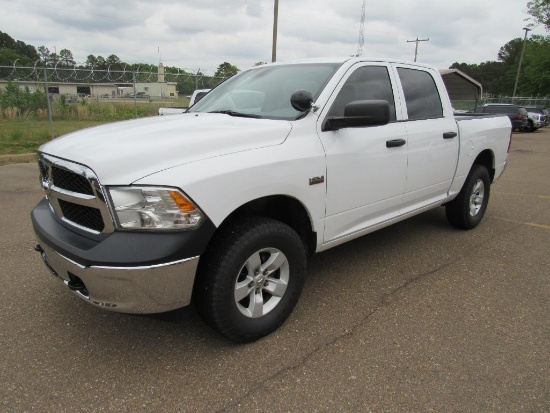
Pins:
<point x="361" y="40"/>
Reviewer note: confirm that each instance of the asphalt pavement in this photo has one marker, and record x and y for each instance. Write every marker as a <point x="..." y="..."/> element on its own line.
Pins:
<point x="417" y="317"/>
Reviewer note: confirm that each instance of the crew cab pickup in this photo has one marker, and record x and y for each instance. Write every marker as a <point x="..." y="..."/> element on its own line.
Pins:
<point x="224" y="205"/>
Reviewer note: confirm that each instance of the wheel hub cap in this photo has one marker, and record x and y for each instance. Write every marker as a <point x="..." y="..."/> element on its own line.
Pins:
<point x="261" y="282"/>
<point x="476" y="199"/>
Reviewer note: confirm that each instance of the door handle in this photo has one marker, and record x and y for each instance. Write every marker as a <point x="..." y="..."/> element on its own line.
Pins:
<point x="394" y="143"/>
<point x="449" y="135"/>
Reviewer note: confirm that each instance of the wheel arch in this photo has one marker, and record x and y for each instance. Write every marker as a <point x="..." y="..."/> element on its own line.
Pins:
<point x="282" y="208"/>
<point x="486" y="158"/>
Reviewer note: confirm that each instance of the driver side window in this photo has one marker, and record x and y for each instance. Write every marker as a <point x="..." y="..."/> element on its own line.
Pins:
<point x="366" y="83"/>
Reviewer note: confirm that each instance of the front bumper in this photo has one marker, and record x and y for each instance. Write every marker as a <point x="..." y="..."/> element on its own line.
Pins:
<point x="148" y="289"/>
<point x="126" y="271"/>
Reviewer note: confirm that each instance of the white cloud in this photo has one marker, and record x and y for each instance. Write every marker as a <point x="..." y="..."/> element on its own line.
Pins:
<point x="204" y="33"/>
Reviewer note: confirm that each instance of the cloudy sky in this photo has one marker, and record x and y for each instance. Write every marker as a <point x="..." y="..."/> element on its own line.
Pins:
<point x="195" y="34"/>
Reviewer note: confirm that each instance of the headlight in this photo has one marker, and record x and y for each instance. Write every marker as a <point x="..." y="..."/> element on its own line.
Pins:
<point x="154" y="208"/>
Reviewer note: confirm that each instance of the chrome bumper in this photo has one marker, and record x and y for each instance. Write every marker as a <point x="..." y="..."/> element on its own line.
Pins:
<point x="147" y="289"/>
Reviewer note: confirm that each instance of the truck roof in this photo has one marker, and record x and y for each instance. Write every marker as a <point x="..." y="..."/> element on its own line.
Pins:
<point x="351" y="60"/>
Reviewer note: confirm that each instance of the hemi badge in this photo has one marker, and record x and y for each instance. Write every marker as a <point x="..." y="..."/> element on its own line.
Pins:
<point x="316" y="180"/>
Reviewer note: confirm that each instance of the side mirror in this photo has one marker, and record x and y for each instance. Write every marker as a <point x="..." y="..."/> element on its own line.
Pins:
<point x="301" y="100"/>
<point x="360" y="113"/>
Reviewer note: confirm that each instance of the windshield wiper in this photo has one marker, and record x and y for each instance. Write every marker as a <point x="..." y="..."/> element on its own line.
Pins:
<point x="237" y="114"/>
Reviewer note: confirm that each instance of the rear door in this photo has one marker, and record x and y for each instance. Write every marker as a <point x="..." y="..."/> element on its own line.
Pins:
<point x="432" y="135"/>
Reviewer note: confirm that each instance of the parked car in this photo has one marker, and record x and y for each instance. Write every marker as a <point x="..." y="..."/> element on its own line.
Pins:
<point x="539" y="115"/>
<point x="517" y="114"/>
<point x="138" y="95"/>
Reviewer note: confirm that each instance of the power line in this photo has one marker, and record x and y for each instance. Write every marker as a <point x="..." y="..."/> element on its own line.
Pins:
<point x="417" y="40"/>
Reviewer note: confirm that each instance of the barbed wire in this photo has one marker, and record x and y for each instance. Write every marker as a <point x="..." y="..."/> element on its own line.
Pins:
<point x="61" y="72"/>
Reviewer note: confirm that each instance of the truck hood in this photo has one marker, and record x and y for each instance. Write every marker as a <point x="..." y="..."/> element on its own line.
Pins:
<point x="123" y="152"/>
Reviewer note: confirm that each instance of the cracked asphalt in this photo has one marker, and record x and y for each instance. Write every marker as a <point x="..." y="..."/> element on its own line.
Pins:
<point x="417" y="317"/>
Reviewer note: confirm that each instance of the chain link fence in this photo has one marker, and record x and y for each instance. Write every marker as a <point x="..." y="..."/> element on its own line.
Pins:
<point x="40" y="102"/>
<point x="63" y="92"/>
<point x="470" y="105"/>
<point x="539" y="101"/>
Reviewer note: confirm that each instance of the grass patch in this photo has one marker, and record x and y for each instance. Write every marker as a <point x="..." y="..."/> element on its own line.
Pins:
<point x="25" y="135"/>
<point x="25" y="132"/>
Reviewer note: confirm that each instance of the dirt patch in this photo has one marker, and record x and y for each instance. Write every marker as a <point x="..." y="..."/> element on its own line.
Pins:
<point x="19" y="158"/>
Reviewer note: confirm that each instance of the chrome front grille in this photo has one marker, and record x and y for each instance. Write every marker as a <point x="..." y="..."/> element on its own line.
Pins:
<point x="70" y="181"/>
<point x="75" y="194"/>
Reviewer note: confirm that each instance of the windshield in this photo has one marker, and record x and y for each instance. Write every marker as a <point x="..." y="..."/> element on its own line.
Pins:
<point x="265" y="92"/>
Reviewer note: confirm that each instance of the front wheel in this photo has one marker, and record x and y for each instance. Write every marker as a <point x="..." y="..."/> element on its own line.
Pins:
<point x="467" y="209"/>
<point x="250" y="278"/>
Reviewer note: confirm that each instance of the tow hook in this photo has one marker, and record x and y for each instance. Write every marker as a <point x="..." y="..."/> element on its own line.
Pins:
<point x="40" y="250"/>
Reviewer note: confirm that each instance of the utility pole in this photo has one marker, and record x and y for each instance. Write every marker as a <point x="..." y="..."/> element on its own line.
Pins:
<point x="416" y="48"/>
<point x="520" y="61"/>
<point x="275" y="20"/>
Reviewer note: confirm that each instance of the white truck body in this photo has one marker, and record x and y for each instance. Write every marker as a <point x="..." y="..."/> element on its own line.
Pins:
<point x="342" y="183"/>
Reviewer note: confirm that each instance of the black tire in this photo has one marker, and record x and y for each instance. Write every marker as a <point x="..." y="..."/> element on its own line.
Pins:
<point x="467" y="209"/>
<point x="531" y="127"/>
<point x="230" y="275"/>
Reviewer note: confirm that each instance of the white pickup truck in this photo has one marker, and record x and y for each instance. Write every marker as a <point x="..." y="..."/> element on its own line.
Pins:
<point x="176" y="110"/>
<point x="224" y="204"/>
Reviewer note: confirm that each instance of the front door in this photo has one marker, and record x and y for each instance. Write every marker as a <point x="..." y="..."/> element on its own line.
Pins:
<point x="365" y="175"/>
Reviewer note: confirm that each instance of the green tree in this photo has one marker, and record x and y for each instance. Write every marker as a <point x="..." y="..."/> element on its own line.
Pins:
<point x="22" y="99"/>
<point x="91" y="61"/>
<point x="44" y="53"/>
<point x="6" y="41"/>
<point x="96" y="62"/>
<point x="8" y="57"/>
<point x="26" y="50"/>
<point x="226" y="70"/>
<point x="539" y="10"/>
<point x="66" y="57"/>
<point x="101" y="64"/>
<point x="535" y="75"/>
<point x="510" y="52"/>
<point x="497" y="77"/>
<point x="54" y="58"/>
<point x="12" y="51"/>
<point x="113" y="60"/>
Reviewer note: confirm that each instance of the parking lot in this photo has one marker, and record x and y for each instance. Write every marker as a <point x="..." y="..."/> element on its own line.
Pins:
<point x="416" y="317"/>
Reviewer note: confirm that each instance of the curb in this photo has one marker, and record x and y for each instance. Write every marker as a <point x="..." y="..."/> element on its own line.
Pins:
<point x="19" y="158"/>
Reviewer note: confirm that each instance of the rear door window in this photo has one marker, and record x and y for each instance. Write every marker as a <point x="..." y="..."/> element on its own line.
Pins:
<point x="421" y="94"/>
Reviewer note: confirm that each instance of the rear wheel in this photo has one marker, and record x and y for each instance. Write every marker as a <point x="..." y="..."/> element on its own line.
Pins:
<point x="468" y="208"/>
<point x="250" y="278"/>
